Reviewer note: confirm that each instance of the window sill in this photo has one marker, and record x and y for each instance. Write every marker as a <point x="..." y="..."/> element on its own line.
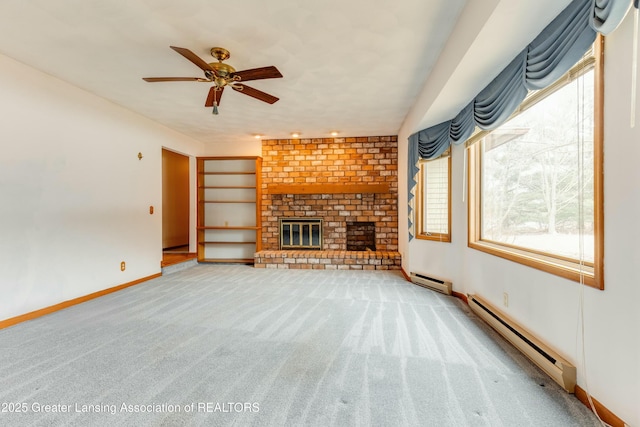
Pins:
<point x="567" y="269"/>
<point x="445" y="238"/>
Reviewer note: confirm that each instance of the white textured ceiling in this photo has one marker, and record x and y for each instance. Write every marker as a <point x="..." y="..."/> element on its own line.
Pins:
<point x="355" y="66"/>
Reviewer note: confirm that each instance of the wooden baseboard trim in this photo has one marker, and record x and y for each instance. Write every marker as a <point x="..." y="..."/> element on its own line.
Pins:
<point x="404" y="273"/>
<point x="605" y="415"/>
<point x="65" y="304"/>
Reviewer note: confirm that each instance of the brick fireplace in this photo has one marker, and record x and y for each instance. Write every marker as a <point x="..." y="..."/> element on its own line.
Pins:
<point x="341" y="181"/>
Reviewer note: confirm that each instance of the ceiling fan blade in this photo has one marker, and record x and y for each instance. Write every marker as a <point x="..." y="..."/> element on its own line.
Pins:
<point x="255" y="93"/>
<point x="193" y="58"/>
<point x="270" y="72"/>
<point x="174" y="79"/>
<point x="213" y="93"/>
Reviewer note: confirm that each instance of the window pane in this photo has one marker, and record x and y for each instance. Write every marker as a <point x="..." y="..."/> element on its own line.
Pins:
<point x="295" y="234"/>
<point x="306" y="228"/>
<point x="435" y="199"/>
<point x="533" y="193"/>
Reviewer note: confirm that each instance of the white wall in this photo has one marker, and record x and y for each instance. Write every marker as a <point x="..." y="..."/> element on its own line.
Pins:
<point x="74" y="198"/>
<point x="547" y="304"/>
<point x="252" y="147"/>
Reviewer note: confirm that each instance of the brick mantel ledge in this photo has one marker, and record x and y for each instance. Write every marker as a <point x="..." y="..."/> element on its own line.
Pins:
<point x="328" y="260"/>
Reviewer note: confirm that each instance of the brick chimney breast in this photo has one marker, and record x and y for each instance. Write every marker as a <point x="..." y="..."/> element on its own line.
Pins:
<point x="310" y="165"/>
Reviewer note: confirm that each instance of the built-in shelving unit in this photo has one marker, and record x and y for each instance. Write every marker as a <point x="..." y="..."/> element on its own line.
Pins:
<point x="229" y="196"/>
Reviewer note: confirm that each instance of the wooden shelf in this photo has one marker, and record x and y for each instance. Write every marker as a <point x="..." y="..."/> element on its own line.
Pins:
<point x="229" y="187"/>
<point x="229" y="260"/>
<point x="221" y="227"/>
<point x="327" y="188"/>
<point x="227" y="201"/>
<point x="227" y="173"/>
<point x="228" y="243"/>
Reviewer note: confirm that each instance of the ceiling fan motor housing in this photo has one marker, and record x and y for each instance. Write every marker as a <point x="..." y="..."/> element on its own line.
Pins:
<point x="222" y="69"/>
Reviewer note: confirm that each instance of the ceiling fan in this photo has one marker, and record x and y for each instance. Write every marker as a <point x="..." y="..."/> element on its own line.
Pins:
<point x="223" y="75"/>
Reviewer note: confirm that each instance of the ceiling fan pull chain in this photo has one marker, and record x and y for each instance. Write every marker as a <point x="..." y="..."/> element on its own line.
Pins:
<point x="634" y="65"/>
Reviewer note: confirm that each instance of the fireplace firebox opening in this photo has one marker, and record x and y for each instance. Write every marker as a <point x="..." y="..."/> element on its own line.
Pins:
<point x="361" y="236"/>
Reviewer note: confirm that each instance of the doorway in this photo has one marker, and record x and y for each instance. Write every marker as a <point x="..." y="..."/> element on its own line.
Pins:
<point x="175" y="202"/>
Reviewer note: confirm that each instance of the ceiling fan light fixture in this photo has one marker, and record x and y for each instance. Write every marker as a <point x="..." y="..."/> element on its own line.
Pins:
<point x="215" y="109"/>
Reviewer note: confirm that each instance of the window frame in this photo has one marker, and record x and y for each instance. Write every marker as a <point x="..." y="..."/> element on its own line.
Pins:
<point x="589" y="273"/>
<point x="421" y="233"/>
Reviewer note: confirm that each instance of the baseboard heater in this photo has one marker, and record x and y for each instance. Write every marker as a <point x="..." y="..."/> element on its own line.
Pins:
<point x="431" y="282"/>
<point x="562" y="372"/>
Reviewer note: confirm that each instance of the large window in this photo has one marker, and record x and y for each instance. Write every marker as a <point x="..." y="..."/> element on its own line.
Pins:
<point x="434" y="199"/>
<point x="535" y="186"/>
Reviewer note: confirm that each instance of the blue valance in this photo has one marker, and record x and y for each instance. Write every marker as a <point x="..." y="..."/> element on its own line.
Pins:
<point x="550" y="55"/>
<point x="462" y="125"/>
<point x="413" y="172"/>
<point x="501" y="97"/>
<point x="559" y="46"/>
<point x="607" y="14"/>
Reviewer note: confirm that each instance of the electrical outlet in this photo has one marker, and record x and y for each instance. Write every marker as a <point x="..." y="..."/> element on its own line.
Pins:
<point x="226" y="223"/>
<point x="123" y="266"/>
<point x="505" y="299"/>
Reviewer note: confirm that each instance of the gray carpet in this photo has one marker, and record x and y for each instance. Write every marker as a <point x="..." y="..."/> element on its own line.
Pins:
<point x="234" y="345"/>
